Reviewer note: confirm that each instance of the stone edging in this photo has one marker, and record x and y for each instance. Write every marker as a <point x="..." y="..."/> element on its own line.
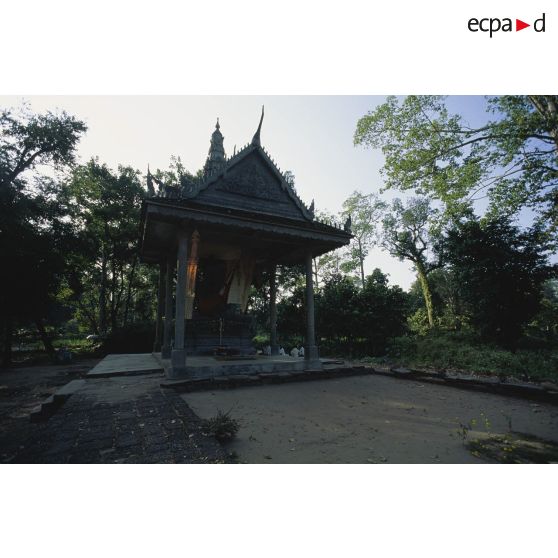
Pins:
<point x="488" y="384"/>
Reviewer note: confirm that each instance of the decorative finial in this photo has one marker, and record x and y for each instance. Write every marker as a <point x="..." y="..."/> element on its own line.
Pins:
<point x="311" y="208"/>
<point x="234" y="151"/>
<point x="216" y="157"/>
<point x="256" y="139"/>
<point x="348" y="223"/>
<point x="150" y="187"/>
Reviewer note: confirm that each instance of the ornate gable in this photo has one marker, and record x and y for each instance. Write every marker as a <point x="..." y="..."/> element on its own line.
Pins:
<point x="252" y="182"/>
<point x="248" y="180"/>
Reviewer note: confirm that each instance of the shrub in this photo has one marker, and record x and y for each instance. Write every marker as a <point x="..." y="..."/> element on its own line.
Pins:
<point x="222" y="426"/>
<point x="462" y="351"/>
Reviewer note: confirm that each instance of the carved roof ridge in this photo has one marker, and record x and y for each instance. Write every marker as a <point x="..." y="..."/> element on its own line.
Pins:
<point x="287" y="187"/>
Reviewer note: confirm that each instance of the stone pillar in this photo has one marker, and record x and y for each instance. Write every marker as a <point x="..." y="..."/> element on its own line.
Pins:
<point x="160" y="309"/>
<point x="273" y="310"/>
<point x="178" y="355"/>
<point x="167" y="329"/>
<point x="311" y="352"/>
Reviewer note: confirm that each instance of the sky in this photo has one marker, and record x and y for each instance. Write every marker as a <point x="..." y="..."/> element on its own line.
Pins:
<point x="312" y="136"/>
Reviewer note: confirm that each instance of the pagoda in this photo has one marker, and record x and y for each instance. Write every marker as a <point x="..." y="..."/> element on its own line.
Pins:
<point x="213" y="237"/>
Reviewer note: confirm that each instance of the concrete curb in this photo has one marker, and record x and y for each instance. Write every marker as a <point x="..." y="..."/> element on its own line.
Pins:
<point x="243" y="380"/>
<point x="489" y="384"/>
<point x="50" y="405"/>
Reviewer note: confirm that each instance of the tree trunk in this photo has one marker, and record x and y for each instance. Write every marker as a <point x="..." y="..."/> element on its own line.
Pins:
<point x="315" y="267"/>
<point x="103" y="293"/>
<point x="49" y="348"/>
<point x="361" y="260"/>
<point x="426" y="293"/>
<point x="129" y="293"/>
<point x="90" y="317"/>
<point x="113" y="282"/>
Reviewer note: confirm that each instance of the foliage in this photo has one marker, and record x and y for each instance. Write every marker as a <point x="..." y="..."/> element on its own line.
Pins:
<point x="354" y="321"/>
<point x="34" y="233"/>
<point x="107" y="279"/>
<point x="364" y="211"/>
<point x="328" y="265"/>
<point x="511" y="158"/>
<point x="408" y="233"/>
<point x="291" y="318"/>
<point x="500" y="271"/>
<point x="222" y="426"/>
<point x="544" y="325"/>
<point x="465" y="352"/>
<point x="337" y="312"/>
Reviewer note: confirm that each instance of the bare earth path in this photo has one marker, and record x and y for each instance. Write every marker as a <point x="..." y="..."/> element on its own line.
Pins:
<point x="367" y="419"/>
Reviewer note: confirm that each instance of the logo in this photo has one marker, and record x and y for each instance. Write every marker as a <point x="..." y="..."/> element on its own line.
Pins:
<point x="493" y="25"/>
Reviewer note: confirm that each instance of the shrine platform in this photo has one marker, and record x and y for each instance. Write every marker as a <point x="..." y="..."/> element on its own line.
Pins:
<point x="210" y="367"/>
<point x="199" y="367"/>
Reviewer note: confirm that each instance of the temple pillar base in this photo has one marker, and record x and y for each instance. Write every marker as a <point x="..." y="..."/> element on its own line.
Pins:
<point x="178" y="363"/>
<point x="312" y="358"/>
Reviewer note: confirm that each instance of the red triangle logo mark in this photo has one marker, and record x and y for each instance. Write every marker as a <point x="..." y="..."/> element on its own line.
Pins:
<point x="519" y="25"/>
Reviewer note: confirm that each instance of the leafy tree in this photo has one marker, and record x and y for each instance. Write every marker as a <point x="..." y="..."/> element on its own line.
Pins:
<point x="408" y="234"/>
<point x="106" y="205"/>
<point x="291" y="317"/>
<point x="176" y="176"/>
<point x="337" y="313"/>
<point x="290" y="179"/>
<point x="512" y="159"/>
<point x="545" y="323"/>
<point x="500" y="272"/>
<point x="357" y="321"/>
<point x="364" y="211"/>
<point x="34" y="232"/>
<point x="329" y="264"/>
<point x="383" y="312"/>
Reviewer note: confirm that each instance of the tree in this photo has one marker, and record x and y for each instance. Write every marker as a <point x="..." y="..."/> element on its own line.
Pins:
<point x="357" y="321"/>
<point x="512" y="158"/>
<point x="500" y="271"/>
<point x="106" y="208"/>
<point x="364" y="211"/>
<point x="408" y="234"/>
<point x="329" y="264"/>
<point x="337" y="314"/>
<point x="35" y="235"/>
<point x="290" y="179"/>
<point x="383" y="312"/>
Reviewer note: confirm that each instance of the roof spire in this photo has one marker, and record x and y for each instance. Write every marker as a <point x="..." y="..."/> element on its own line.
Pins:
<point x="256" y="139"/>
<point x="216" y="158"/>
<point x="150" y="188"/>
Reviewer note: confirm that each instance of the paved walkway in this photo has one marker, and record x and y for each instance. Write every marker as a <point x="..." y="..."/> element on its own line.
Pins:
<point x="126" y="364"/>
<point x="128" y="419"/>
<point x="367" y="419"/>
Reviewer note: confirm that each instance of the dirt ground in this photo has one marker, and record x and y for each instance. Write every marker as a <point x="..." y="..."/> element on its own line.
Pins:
<point x="369" y="419"/>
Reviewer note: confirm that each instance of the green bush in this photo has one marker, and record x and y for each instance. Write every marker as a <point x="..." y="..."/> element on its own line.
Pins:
<point x="222" y="426"/>
<point x="462" y="351"/>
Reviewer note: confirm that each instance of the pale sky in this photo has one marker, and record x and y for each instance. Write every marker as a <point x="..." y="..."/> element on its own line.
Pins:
<point x="312" y="136"/>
